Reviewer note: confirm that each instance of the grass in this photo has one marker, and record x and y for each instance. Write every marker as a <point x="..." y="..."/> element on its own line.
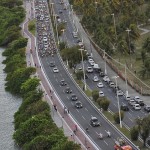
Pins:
<point x="31" y="26"/>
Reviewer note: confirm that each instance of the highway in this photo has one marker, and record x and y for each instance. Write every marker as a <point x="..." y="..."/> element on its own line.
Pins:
<point x="130" y="116"/>
<point x="82" y="116"/>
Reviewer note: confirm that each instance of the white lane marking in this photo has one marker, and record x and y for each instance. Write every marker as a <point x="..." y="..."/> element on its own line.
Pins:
<point x="130" y="114"/>
<point x="72" y="103"/>
<point x="67" y="97"/>
<point x="142" y="111"/>
<point x="77" y="110"/>
<point x="105" y="142"/>
<point x="86" y="109"/>
<point x="54" y="76"/>
<point x="96" y="132"/>
<point x="56" y="80"/>
<point x="83" y="118"/>
<point x="130" y="119"/>
<point x="131" y="110"/>
<point x="61" y="75"/>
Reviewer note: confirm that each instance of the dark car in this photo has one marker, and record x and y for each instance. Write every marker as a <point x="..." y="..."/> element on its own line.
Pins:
<point x="140" y="102"/>
<point x="73" y="97"/>
<point x="124" y="107"/>
<point x="78" y="104"/>
<point x="68" y="90"/>
<point x="60" y="11"/>
<point x="94" y="122"/>
<point x="63" y="83"/>
<point x="52" y="64"/>
<point x="102" y="74"/>
<point x="147" y="108"/>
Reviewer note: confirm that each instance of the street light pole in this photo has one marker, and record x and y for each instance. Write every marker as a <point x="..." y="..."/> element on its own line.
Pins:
<point x="126" y="80"/>
<point x="115" y="26"/>
<point x="83" y="69"/>
<point x="56" y="29"/>
<point x="118" y="101"/>
<point x="105" y="62"/>
<point x="129" y="45"/>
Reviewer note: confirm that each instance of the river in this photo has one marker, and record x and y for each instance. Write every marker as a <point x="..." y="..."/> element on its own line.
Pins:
<point x="9" y="104"/>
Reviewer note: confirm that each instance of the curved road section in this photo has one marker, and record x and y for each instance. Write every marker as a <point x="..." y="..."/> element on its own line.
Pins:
<point x="83" y="115"/>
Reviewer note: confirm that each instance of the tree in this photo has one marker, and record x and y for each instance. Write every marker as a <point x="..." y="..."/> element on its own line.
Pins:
<point x="79" y="75"/>
<point x="95" y="95"/>
<point x="116" y="117"/>
<point x="134" y="133"/>
<point x="104" y="103"/>
<point x="143" y="127"/>
<point x="29" y="85"/>
<point x="17" y="78"/>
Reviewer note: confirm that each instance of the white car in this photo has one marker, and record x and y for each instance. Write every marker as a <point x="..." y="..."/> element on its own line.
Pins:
<point x="112" y="84"/>
<point x="131" y="102"/>
<point x="92" y="63"/>
<point x="90" y="60"/>
<point x="95" y="79"/>
<point x="120" y="93"/>
<point x="127" y="97"/>
<point x="136" y="98"/>
<point x="101" y="93"/>
<point x="106" y="79"/>
<point x="100" y="85"/>
<point x="137" y="107"/>
<point x="55" y="70"/>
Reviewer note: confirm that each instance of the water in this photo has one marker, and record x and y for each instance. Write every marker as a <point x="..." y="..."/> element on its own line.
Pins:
<point x="9" y="104"/>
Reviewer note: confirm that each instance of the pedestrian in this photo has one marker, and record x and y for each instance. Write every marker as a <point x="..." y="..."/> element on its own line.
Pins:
<point x="50" y="90"/>
<point x="76" y="128"/>
<point x="68" y="111"/>
<point x="74" y="131"/>
<point x="65" y="110"/>
<point x="51" y="97"/>
<point x="55" y="107"/>
<point x="35" y="64"/>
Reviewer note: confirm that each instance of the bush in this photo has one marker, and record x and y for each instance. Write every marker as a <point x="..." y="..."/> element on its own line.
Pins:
<point x="134" y="133"/>
<point x="116" y="117"/>
<point x="95" y="95"/>
<point x="79" y="75"/>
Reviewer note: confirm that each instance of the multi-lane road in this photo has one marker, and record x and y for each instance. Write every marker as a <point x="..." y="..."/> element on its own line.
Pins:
<point x="82" y="116"/>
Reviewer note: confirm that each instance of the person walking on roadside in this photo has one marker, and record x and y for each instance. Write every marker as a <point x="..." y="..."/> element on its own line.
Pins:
<point x="55" y="107"/>
<point x="76" y="128"/>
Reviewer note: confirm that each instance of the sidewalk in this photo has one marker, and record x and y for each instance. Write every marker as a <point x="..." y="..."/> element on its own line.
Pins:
<point x="64" y="121"/>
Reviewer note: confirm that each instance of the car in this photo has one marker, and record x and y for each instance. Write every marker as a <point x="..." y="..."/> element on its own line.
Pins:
<point x="136" y="107"/>
<point x="131" y="102"/>
<point x="147" y="108"/>
<point x="86" y="76"/>
<point x="44" y="38"/>
<point x="95" y="78"/>
<point x="73" y="97"/>
<point x="89" y="69"/>
<point x="52" y="64"/>
<point x="101" y="93"/>
<point x="75" y="34"/>
<point x="100" y="85"/>
<point x="79" y="40"/>
<point x="111" y="84"/>
<point x="94" y="122"/>
<point x="63" y="83"/>
<point x="102" y="74"/>
<point x="78" y="104"/>
<point x="136" y="98"/>
<point x="68" y="90"/>
<point x="127" y="97"/>
<point x="60" y="11"/>
<point x="119" y="93"/>
<point x="55" y="70"/>
<point x="140" y="102"/>
<point x="106" y="78"/>
<point x="90" y="60"/>
<point x="124" y="107"/>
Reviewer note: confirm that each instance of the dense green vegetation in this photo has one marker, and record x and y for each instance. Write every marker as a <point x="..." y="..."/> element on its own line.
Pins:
<point x="107" y="22"/>
<point x="34" y="127"/>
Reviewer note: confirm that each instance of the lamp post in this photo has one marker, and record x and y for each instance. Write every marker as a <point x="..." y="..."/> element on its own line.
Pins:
<point x="115" y="26"/>
<point x="115" y="77"/>
<point x="126" y="80"/>
<point x="83" y="69"/>
<point x="129" y="45"/>
<point x="55" y="21"/>
<point x="105" y="62"/>
<point x="96" y="6"/>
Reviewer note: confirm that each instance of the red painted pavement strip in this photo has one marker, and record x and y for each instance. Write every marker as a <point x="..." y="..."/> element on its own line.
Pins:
<point x="67" y="118"/>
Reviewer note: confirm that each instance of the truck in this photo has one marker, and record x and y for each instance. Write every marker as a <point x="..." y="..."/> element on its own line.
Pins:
<point x="121" y="144"/>
<point x="96" y="68"/>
